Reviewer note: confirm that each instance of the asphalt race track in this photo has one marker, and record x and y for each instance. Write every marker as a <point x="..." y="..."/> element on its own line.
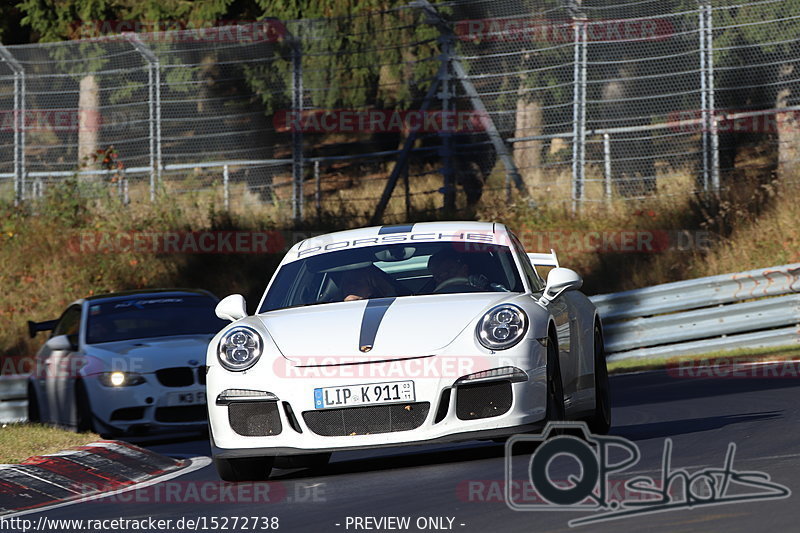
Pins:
<point x="464" y="482"/>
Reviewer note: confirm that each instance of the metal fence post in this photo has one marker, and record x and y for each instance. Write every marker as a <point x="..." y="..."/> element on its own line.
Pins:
<point x="701" y="12"/>
<point x="297" y="134"/>
<point x="711" y="103"/>
<point x="226" y="191"/>
<point x="446" y="149"/>
<point x="579" y="112"/>
<point x="317" y="191"/>
<point x="154" y="108"/>
<point x="19" y="123"/>
<point x="607" y="166"/>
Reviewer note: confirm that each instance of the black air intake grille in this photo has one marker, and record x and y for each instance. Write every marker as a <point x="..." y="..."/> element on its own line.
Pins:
<point x="367" y="420"/>
<point x="176" y="377"/>
<point x="255" y="419"/>
<point x="183" y="413"/>
<point x="483" y="400"/>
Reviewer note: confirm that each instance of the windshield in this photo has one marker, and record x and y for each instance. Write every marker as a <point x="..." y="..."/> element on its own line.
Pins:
<point x="393" y="270"/>
<point x="151" y="316"/>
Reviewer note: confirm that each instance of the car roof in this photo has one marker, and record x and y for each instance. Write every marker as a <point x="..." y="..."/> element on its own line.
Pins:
<point x="492" y="231"/>
<point x="124" y="295"/>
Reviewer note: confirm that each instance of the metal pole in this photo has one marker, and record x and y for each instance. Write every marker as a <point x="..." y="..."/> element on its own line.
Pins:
<point x="297" y="134"/>
<point x="153" y="109"/>
<point x="157" y="90"/>
<point x="711" y="104"/>
<point x="317" y="191"/>
<point x="407" y="187"/>
<point x="576" y="72"/>
<point x="19" y="123"/>
<point x="446" y="150"/>
<point x="607" y="165"/>
<point x="582" y="161"/>
<point x="226" y="193"/>
<point x="704" y="96"/>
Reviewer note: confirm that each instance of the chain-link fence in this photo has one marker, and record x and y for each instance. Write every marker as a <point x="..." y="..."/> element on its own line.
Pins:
<point x="418" y="107"/>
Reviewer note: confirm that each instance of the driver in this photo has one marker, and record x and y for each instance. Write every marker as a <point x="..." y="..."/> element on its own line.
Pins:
<point x="449" y="270"/>
<point x="365" y="283"/>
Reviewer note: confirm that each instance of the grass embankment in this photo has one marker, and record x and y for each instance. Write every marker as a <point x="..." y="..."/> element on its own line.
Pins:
<point x="752" y="225"/>
<point x="20" y="441"/>
<point x="624" y="366"/>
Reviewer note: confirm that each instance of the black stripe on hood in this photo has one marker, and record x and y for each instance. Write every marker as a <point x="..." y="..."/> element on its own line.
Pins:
<point x="373" y="315"/>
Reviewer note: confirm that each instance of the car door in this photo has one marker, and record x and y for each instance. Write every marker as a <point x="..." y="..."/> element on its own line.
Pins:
<point x="58" y="368"/>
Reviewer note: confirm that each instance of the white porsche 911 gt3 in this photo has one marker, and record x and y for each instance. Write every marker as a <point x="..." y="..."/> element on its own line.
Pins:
<point x="395" y="335"/>
<point x="125" y="363"/>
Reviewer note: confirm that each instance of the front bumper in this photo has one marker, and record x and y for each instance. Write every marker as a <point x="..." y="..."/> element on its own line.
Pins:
<point x="148" y="408"/>
<point x="444" y="410"/>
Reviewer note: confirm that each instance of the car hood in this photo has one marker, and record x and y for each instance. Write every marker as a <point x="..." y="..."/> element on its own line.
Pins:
<point x="396" y="328"/>
<point x="147" y="355"/>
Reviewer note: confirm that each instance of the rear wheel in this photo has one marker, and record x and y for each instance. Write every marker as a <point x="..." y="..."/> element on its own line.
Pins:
<point x="600" y="421"/>
<point x="34" y="415"/>
<point x="555" y="388"/>
<point x="244" y="468"/>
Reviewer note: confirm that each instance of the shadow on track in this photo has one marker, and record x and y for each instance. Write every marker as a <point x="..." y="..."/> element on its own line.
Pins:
<point x="656" y="430"/>
<point x="659" y="387"/>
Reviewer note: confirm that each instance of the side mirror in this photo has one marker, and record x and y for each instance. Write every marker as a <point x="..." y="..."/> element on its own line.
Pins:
<point x="231" y="308"/>
<point x="559" y="280"/>
<point x="61" y="343"/>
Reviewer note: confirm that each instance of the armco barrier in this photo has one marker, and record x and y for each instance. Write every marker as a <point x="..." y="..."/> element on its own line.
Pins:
<point x="13" y="398"/>
<point x="743" y="310"/>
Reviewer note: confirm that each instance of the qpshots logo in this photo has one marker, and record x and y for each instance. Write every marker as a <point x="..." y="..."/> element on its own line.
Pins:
<point x="600" y="459"/>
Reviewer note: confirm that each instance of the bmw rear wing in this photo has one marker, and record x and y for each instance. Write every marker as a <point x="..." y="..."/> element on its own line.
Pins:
<point x="547" y="260"/>
<point x="36" y="327"/>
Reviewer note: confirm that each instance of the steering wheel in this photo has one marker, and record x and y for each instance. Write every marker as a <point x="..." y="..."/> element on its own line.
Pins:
<point x="451" y="282"/>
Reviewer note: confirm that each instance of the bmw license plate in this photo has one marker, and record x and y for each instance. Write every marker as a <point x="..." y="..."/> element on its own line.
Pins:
<point x="186" y="398"/>
<point x="368" y="394"/>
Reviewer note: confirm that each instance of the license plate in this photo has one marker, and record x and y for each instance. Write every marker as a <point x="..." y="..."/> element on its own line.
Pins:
<point x="186" y="398"/>
<point x="367" y="394"/>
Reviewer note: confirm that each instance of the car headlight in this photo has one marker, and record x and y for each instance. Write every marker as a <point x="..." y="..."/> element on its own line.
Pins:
<point x="120" y="379"/>
<point x="240" y="348"/>
<point x="502" y="327"/>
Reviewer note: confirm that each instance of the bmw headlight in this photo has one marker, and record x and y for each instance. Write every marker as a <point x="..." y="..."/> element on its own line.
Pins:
<point x="120" y="379"/>
<point x="240" y="348"/>
<point x="502" y="327"/>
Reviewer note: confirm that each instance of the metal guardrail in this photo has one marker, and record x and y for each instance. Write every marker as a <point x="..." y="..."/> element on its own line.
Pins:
<point x="743" y="310"/>
<point x="13" y="398"/>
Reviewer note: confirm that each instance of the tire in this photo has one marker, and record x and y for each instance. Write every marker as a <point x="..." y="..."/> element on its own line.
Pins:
<point x="555" y="386"/>
<point x="311" y="460"/>
<point x="83" y="410"/>
<point x="34" y="414"/>
<point x="244" y="468"/>
<point x="600" y="422"/>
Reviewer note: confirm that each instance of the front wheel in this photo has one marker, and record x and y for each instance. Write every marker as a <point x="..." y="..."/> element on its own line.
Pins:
<point x="83" y="410"/>
<point x="600" y="421"/>
<point x="244" y="468"/>
<point x="34" y="415"/>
